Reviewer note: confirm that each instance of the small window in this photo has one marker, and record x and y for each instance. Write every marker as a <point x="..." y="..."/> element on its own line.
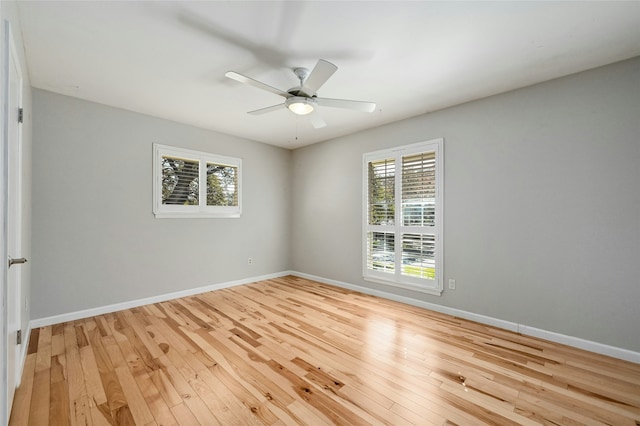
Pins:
<point x="402" y="236"/>
<point x="177" y="192"/>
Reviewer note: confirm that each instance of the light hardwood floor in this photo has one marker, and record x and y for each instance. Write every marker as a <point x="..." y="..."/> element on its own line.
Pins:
<point x="293" y="351"/>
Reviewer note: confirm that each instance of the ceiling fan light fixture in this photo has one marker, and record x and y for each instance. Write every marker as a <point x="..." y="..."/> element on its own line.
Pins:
<point x="300" y="105"/>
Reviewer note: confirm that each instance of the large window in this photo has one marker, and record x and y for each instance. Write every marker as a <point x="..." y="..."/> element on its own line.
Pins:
<point x="403" y="217"/>
<point x="177" y="189"/>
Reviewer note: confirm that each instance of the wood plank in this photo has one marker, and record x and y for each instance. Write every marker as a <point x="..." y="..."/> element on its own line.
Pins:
<point x="184" y="415"/>
<point x="59" y="393"/>
<point x="135" y="400"/>
<point x="40" y="396"/>
<point x="40" y="399"/>
<point x="79" y="409"/>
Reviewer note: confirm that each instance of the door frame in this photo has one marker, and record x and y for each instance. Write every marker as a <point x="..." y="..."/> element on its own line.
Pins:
<point x="4" y="399"/>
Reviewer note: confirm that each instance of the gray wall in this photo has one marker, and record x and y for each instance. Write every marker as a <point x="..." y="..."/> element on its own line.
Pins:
<point x="542" y="204"/>
<point x="96" y="241"/>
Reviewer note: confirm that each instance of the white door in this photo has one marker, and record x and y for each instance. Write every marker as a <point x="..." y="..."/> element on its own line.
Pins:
<point x="13" y="133"/>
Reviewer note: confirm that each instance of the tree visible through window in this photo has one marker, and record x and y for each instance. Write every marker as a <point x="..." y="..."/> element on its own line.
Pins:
<point x="179" y="172"/>
<point x="402" y="228"/>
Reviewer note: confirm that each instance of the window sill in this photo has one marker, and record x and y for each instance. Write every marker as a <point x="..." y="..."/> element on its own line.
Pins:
<point x="198" y="215"/>
<point x="407" y="286"/>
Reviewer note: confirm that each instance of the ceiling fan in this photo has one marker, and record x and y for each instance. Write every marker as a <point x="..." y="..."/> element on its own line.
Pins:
<point x="303" y="99"/>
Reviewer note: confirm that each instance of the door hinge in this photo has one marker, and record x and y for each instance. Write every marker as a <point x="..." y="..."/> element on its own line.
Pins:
<point x="20" y="115"/>
<point x="19" y="337"/>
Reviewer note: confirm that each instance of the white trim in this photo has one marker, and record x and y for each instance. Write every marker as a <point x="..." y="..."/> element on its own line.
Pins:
<point x="576" y="342"/>
<point x="373" y="277"/>
<point x="26" y="337"/>
<point x="16" y="185"/>
<point x="4" y="71"/>
<point x="86" y="313"/>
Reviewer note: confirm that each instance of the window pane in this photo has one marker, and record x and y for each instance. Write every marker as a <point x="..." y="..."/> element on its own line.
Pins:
<point x="381" y="192"/>
<point x="418" y="255"/>
<point x="222" y="185"/>
<point x="179" y="181"/>
<point x="419" y="189"/>
<point x="381" y="251"/>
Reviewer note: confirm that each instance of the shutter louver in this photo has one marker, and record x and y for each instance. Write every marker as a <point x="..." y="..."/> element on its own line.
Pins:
<point x="419" y="189"/>
<point x="381" y="251"/>
<point x="418" y="255"/>
<point x="180" y="181"/>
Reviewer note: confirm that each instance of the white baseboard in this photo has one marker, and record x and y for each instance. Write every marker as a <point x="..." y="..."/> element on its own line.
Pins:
<point x="576" y="342"/>
<point x="86" y="313"/>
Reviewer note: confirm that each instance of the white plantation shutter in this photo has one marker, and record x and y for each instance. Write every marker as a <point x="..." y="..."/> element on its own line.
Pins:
<point x="403" y="217"/>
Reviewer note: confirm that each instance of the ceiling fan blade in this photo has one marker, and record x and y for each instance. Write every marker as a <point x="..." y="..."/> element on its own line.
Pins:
<point x="318" y="76"/>
<point x="316" y="120"/>
<point x="255" y="83"/>
<point x="267" y="109"/>
<point x="343" y="103"/>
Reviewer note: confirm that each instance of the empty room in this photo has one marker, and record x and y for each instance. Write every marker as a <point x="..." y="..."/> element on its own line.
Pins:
<point x="413" y="213"/>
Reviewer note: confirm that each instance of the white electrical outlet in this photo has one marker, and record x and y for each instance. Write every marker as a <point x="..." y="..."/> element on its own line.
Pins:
<point x="452" y="284"/>
<point x="250" y="261"/>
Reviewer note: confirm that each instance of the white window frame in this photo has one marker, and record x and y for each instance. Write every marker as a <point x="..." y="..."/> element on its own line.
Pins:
<point x="395" y="278"/>
<point x="202" y="210"/>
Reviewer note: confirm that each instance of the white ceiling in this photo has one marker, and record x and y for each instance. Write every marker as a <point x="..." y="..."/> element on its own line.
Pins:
<point x="168" y="59"/>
